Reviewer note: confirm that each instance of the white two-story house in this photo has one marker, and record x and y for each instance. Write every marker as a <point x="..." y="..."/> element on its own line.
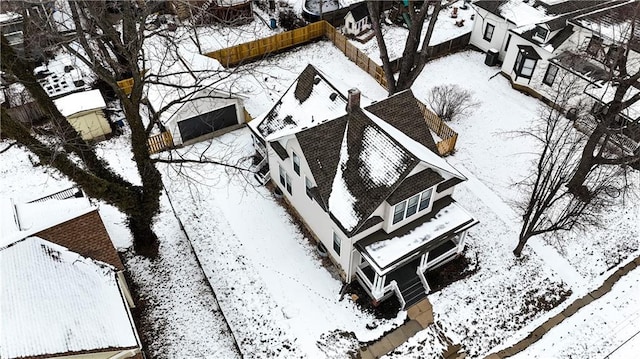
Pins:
<point x="366" y="181"/>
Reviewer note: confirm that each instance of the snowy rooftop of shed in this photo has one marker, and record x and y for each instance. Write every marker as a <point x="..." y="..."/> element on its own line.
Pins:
<point x="449" y="218"/>
<point x="56" y="301"/>
<point x="80" y="101"/>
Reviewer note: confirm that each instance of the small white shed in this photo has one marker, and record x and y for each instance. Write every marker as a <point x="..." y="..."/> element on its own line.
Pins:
<point x="84" y="111"/>
<point x="357" y="20"/>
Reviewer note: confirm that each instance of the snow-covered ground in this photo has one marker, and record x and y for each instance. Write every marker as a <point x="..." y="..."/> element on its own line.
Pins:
<point x="395" y="36"/>
<point x="609" y="327"/>
<point x="280" y="300"/>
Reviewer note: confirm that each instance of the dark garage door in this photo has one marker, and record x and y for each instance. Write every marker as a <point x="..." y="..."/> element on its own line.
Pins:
<point x="208" y="122"/>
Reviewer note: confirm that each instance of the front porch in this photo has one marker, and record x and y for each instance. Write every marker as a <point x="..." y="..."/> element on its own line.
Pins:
<point x="396" y="263"/>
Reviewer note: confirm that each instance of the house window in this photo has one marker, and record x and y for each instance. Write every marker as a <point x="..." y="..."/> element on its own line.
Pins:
<point x="412" y="206"/>
<point x="285" y="180"/>
<point x="282" y="178"/>
<point x="550" y="75"/>
<point x="308" y="185"/>
<point x="595" y="46"/>
<point x="336" y="243"/>
<point x="425" y="199"/>
<point x="350" y="25"/>
<point x="524" y="65"/>
<point x="541" y="33"/>
<point x="286" y="175"/>
<point x="613" y="55"/>
<point x="408" y="208"/>
<point x="296" y="163"/>
<point x="488" y="32"/>
<point x="506" y="46"/>
<point x="398" y="212"/>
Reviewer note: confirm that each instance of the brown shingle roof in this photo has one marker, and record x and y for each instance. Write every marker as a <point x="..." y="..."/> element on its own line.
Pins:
<point x="87" y="236"/>
<point x="402" y="112"/>
<point x="415" y="184"/>
<point x="321" y="148"/>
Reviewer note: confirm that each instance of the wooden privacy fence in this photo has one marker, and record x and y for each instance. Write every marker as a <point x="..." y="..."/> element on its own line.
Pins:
<point x="126" y="85"/>
<point x="259" y="48"/>
<point x="160" y="142"/>
<point x="447" y="135"/>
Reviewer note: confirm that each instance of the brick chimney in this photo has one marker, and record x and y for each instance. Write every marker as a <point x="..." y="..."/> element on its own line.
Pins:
<point x="354" y="99"/>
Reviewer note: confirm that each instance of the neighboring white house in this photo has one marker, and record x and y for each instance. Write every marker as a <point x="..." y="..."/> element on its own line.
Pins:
<point x="544" y="45"/>
<point x="85" y="112"/>
<point x="63" y="293"/>
<point x="367" y="182"/>
<point x="186" y="99"/>
<point x="357" y="20"/>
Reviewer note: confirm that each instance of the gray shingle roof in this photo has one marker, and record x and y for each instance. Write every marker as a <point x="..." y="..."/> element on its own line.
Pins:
<point x="415" y="184"/>
<point x="402" y="112"/>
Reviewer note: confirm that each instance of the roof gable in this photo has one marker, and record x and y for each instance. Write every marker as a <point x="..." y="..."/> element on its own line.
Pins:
<point x="56" y="302"/>
<point x="309" y="101"/>
<point x="359" y="11"/>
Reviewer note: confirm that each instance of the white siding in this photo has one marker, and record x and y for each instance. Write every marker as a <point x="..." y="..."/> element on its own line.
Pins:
<point x="500" y="32"/>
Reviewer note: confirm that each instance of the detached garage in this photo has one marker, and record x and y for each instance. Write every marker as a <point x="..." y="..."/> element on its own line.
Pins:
<point x="202" y="115"/>
<point x="183" y="89"/>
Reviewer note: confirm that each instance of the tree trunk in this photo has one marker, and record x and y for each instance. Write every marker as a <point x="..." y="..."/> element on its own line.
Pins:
<point x="521" y="243"/>
<point x="145" y="240"/>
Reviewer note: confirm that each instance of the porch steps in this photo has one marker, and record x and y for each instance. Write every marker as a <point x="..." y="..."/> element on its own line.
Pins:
<point x="412" y="291"/>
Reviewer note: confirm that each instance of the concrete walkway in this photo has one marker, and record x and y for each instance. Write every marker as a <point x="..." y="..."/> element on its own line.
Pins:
<point x="420" y="317"/>
<point x="578" y="304"/>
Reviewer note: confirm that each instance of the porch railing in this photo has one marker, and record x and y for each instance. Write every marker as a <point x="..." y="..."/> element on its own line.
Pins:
<point x="160" y="142"/>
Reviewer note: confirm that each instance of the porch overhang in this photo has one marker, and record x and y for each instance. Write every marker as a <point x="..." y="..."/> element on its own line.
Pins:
<point x="386" y="251"/>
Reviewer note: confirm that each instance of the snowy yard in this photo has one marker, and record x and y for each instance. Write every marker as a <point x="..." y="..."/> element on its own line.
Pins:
<point x="278" y="297"/>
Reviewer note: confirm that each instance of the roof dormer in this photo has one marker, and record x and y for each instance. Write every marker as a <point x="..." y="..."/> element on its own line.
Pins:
<point x="541" y="33"/>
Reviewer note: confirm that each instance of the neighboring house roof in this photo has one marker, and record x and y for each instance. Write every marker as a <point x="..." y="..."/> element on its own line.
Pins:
<point x="309" y="101"/>
<point x="56" y="302"/>
<point x="359" y="11"/>
<point x="73" y="223"/>
<point x="532" y="12"/>
<point x="613" y="22"/>
<point x="79" y="102"/>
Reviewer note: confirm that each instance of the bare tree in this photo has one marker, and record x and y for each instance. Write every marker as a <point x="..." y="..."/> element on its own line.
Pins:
<point x="622" y="65"/>
<point x="413" y="60"/>
<point x="451" y="101"/>
<point x="550" y="206"/>
<point x="114" y="45"/>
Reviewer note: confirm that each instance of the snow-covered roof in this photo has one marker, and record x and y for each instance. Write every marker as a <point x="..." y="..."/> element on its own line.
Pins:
<point x="55" y="301"/>
<point x="451" y="218"/>
<point x="615" y="23"/>
<point x="182" y="81"/>
<point x="31" y="218"/>
<point x="306" y="103"/>
<point x="79" y="102"/>
<point x="9" y="17"/>
<point x="64" y="74"/>
<point x="606" y="93"/>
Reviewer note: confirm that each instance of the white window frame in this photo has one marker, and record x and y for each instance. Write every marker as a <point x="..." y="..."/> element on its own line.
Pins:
<point x="295" y="160"/>
<point x="285" y="180"/>
<point x="337" y="243"/>
<point x="406" y="207"/>
<point x="521" y="64"/>
<point x="550" y="75"/>
<point x="488" y="34"/>
<point x="308" y="185"/>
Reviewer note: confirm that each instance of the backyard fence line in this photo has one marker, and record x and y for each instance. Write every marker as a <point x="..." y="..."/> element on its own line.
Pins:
<point x="448" y="136"/>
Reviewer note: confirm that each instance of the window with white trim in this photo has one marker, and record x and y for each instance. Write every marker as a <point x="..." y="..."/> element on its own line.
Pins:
<point x="550" y="75"/>
<point x="411" y="206"/>
<point x="541" y="33"/>
<point x="425" y="199"/>
<point x="285" y="180"/>
<point x="524" y="65"/>
<point x="296" y="163"/>
<point x="308" y="185"/>
<point x="488" y="32"/>
<point x="336" y="243"/>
